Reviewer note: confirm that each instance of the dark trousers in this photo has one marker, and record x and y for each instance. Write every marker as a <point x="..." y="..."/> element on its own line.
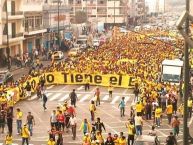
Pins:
<point x="87" y="86"/>
<point x="61" y="125"/>
<point x="92" y="115"/>
<point x="148" y="115"/>
<point x="25" y="140"/>
<point x="73" y="103"/>
<point x="190" y="112"/>
<point x="130" y="139"/>
<point x="10" y="125"/>
<point x="98" y="101"/>
<point x="44" y="105"/>
<point x="122" y="111"/>
<point x="74" y="131"/>
<point x="169" y="118"/>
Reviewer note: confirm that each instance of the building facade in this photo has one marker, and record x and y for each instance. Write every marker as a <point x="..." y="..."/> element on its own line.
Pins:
<point x="111" y="12"/>
<point x="34" y="31"/>
<point x="137" y="12"/>
<point x="155" y="6"/>
<point x="11" y="29"/>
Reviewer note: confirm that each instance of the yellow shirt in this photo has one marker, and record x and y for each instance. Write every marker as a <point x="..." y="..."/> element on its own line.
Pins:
<point x="51" y="143"/>
<point x="92" y="107"/>
<point x="86" y="139"/>
<point x="169" y="109"/>
<point x="8" y="139"/>
<point x="116" y="141"/>
<point x="138" y="107"/>
<point x="189" y="103"/>
<point x="158" y="112"/>
<point x="19" y="115"/>
<point x="122" y="141"/>
<point x="130" y="129"/>
<point x="25" y="132"/>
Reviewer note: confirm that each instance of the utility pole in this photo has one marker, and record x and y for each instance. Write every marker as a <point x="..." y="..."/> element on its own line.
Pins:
<point x="186" y="78"/>
<point x="114" y="12"/>
<point x="7" y="49"/>
<point x="59" y="23"/>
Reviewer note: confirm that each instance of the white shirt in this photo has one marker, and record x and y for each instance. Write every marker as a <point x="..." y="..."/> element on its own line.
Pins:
<point x="73" y="121"/>
<point x="138" y="120"/>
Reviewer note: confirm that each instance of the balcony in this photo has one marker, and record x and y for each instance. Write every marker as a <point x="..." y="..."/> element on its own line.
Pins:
<point x="54" y="8"/>
<point x="13" y="38"/>
<point x="34" y="30"/>
<point x="13" y="15"/>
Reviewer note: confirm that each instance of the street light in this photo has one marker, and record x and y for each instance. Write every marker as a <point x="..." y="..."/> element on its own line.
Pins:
<point x="58" y="23"/>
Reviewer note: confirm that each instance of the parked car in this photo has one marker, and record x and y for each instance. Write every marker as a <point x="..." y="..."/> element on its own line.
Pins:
<point x="5" y="77"/>
<point x="146" y="140"/>
<point x="74" y="52"/>
<point x="57" y="55"/>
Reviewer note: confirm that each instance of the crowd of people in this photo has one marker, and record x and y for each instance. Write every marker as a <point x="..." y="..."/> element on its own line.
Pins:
<point x="132" y="54"/>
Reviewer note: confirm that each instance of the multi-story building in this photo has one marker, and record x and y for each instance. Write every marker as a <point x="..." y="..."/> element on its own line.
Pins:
<point x="111" y="12"/>
<point x="137" y="11"/>
<point x="155" y="6"/>
<point x="34" y="31"/>
<point x="11" y="29"/>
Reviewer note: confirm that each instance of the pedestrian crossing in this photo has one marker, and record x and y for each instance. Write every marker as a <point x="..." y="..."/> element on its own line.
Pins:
<point x="83" y="97"/>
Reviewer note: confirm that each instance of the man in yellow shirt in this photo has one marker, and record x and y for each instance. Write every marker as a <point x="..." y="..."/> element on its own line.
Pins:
<point x="131" y="132"/>
<point x="25" y="134"/>
<point x="139" y="108"/>
<point x="122" y="139"/>
<point x="51" y="141"/>
<point x="190" y="103"/>
<point x="158" y="112"/>
<point x="8" y="139"/>
<point x="19" y="116"/>
<point x="169" y="111"/>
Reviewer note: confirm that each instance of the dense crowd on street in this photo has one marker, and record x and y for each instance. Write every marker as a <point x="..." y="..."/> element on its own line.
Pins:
<point x="131" y="54"/>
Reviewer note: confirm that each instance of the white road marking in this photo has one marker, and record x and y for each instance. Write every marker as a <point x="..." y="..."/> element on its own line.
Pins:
<point x="105" y="98"/>
<point x="49" y="94"/>
<point x="84" y="98"/>
<point x="127" y="99"/>
<point x="50" y="87"/>
<point x="80" y="88"/>
<point x="55" y="96"/>
<point x="64" y="98"/>
<point x="115" y="99"/>
<point x="33" y="97"/>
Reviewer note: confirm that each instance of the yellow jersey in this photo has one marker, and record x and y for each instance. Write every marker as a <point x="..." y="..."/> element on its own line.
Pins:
<point x="25" y="132"/>
<point x="8" y="139"/>
<point x="19" y="115"/>
<point x="189" y="103"/>
<point x="122" y="141"/>
<point x="130" y="129"/>
<point x="139" y="107"/>
<point x="158" y="112"/>
<point x="51" y="142"/>
<point x="169" y="109"/>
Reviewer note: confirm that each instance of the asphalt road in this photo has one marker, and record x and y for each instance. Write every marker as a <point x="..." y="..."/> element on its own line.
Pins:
<point x="108" y="112"/>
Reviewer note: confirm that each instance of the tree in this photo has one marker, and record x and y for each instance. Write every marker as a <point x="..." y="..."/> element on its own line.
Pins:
<point x="80" y="17"/>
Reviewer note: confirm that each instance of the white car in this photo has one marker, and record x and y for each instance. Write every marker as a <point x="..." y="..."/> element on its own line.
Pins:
<point x="57" y="55"/>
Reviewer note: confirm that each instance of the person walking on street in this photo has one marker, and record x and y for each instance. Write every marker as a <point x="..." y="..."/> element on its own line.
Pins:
<point x="136" y="92"/>
<point x="25" y="134"/>
<point x="8" y="139"/>
<point x="85" y="127"/>
<point x="28" y="90"/>
<point x="73" y="123"/>
<point x="99" y="125"/>
<point x="19" y="116"/>
<point x="175" y="125"/>
<point x="30" y="122"/>
<point x="87" y="85"/>
<point x="60" y="119"/>
<point x="131" y="132"/>
<point x="92" y="109"/>
<point x="122" y="107"/>
<point x="73" y="98"/>
<point x="97" y="96"/>
<point x="53" y="119"/>
<point x="190" y="104"/>
<point x="158" y="113"/>
<point x="44" y="99"/>
<point x="171" y="140"/>
<point x="10" y="120"/>
<point x="110" y="90"/>
<point x="138" y="124"/>
<point x="51" y="141"/>
<point x="169" y="111"/>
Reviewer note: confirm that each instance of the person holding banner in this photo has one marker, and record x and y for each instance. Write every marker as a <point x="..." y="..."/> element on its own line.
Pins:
<point x="87" y="85"/>
<point x="28" y="89"/>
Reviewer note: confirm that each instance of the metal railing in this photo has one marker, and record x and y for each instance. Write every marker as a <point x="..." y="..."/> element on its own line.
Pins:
<point x="15" y="13"/>
<point x="15" y="35"/>
<point x="28" y="29"/>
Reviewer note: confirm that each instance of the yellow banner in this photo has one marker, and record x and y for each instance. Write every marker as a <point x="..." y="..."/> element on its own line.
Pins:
<point x="123" y="81"/>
